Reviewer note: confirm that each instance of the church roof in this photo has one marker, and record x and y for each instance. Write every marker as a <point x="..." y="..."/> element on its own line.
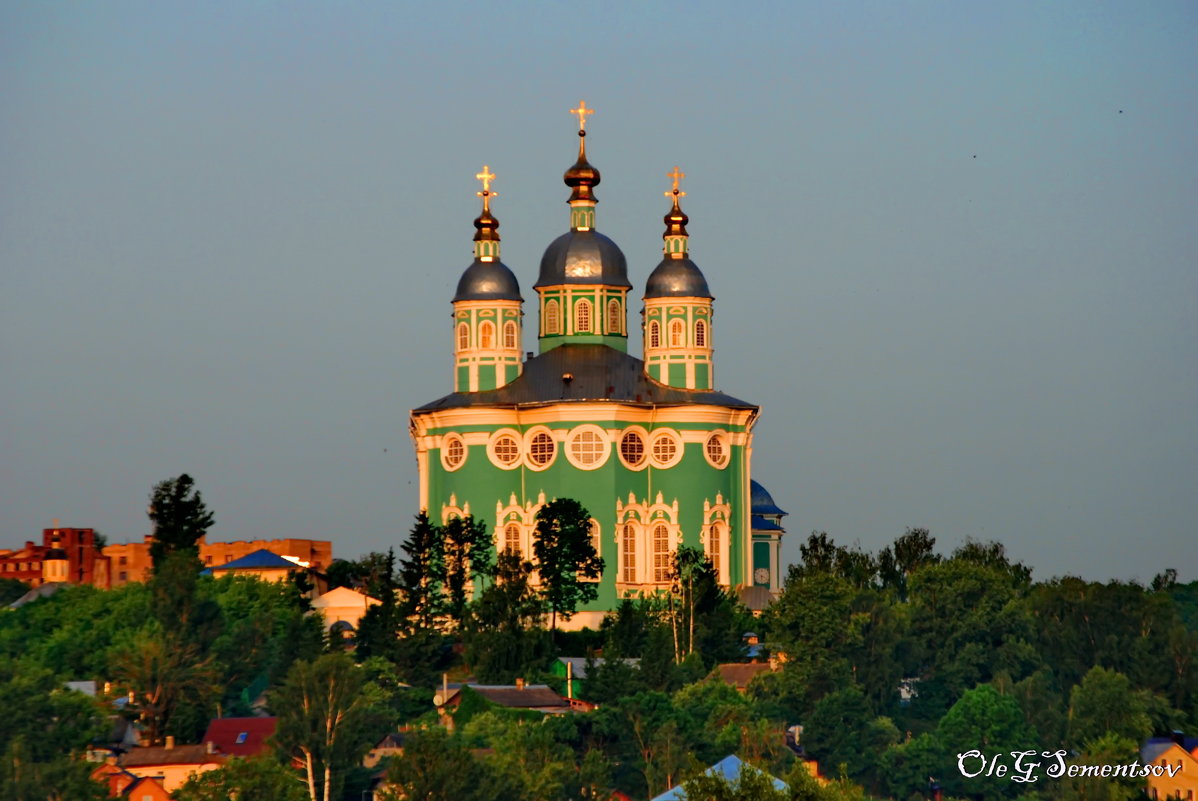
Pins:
<point x="260" y="559"/>
<point x="759" y="523"/>
<point x="676" y="278"/>
<point x="729" y="768"/>
<point x="760" y="500"/>
<point x="583" y="257"/>
<point x="487" y="280"/>
<point x="597" y="373"/>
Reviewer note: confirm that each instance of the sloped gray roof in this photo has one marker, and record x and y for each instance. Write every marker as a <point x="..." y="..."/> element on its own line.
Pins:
<point x="598" y="373"/>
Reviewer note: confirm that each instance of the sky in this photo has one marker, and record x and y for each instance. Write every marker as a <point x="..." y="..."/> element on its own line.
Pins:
<point x="953" y="249"/>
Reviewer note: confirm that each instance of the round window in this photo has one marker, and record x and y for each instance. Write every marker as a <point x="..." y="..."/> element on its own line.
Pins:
<point x="541" y="449"/>
<point x="632" y="448"/>
<point x="716" y="450"/>
<point x="453" y="452"/>
<point x="506" y="449"/>
<point x="588" y="447"/>
<point x="665" y="450"/>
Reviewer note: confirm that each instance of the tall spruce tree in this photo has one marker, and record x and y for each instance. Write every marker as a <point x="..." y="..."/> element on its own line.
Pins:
<point x="566" y="560"/>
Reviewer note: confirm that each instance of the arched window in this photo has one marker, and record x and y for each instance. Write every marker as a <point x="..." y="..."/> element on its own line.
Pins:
<point x="595" y="538"/>
<point x="614" y="317"/>
<point x="552" y="318"/>
<point x="628" y="567"/>
<point x="654" y="335"/>
<point x="463" y="336"/>
<point x="677" y="335"/>
<point x="661" y="553"/>
<point x="511" y="538"/>
<point x="700" y="334"/>
<point x="509" y="335"/>
<point x="582" y="316"/>
<point x="486" y="335"/>
<point x="713" y="549"/>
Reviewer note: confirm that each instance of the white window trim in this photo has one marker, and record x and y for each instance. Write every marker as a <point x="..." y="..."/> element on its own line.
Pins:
<point x="445" y="442"/>
<point x="679" y="448"/>
<point x="644" y="435"/>
<point x="725" y="444"/>
<point x="575" y="433"/>
<point x="528" y="437"/>
<point x="514" y="434"/>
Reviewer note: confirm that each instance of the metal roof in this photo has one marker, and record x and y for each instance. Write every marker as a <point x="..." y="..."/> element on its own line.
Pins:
<point x="595" y="373"/>
<point x="760" y="500"/>
<point x="676" y="278"/>
<point x="583" y="257"/>
<point x="259" y="559"/>
<point x="759" y="523"/>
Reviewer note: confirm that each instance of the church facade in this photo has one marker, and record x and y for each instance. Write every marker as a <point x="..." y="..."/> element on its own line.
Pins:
<point x="654" y="452"/>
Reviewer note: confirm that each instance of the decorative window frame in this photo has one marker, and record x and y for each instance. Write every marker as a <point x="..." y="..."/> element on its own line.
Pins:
<point x="511" y="335"/>
<point x="463" y="337"/>
<point x="584" y="318"/>
<point x="447" y="442"/>
<point x="654" y="336"/>
<point x="725" y="442"/>
<point x="644" y="517"/>
<point x="700" y="333"/>
<point x="679" y="448"/>
<point x="719" y="514"/>
<point x="486" y="335"/>
<point x="553" y="317"/>
<point x="644" y="435"/>
<point x="575" y="434"/>
<point x="495" y="460"/>
<point x="615" y="316"/>
<point x="525" y="517"/>
<point x="451" y="510"/>
<point x="529" y="435"/>
<point x="677" y="333"/>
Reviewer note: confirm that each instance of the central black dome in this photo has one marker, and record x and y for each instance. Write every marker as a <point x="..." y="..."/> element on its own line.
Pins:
<point x="583" y="257"/>
<point x="487" y="280"/>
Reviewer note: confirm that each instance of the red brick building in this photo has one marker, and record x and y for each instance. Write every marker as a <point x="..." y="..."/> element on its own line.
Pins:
<point x="65" y="554"/>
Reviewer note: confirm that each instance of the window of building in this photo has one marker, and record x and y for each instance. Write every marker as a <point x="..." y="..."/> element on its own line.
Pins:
<point x="628" y="568"/>
<point x="614" y="318"/>
<point x="124" y="576"/>
<point x="661" y="553"/>
<point x="241" y="737"/>
<point x="588" y="447"/>
<point x="453" y="452"/>
<point x="677" y="334"/>
<point x="511" y="539"/>
<point x="582" y="316"/>
<point x="716" y="450"/>
<point x="632" y="448"/>
<point x="665" y="450"/>
<point x="553" y="323"/>
<point x="486" y="335"/>
<point x="700" y="334"/>
<point x="463" y="336"/>
<point x="510" y="339"/>
<point x="714" y="536"/>
<point x="505" y="450"/>
<point x="124" y="560"/>
<point x="541" y="449"/>
<point x="654" y="335"/>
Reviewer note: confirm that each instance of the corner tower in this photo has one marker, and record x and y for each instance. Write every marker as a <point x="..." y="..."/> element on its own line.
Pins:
<point x="486" y="310"/>
<point x="583" y="285"/>
<point x="678" y="309"/>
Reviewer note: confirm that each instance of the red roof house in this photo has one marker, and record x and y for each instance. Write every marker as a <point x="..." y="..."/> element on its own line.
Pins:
<point x="242" y="737"/>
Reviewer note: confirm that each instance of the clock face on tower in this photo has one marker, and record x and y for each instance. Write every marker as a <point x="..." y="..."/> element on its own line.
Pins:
<point x="761" y="575"/>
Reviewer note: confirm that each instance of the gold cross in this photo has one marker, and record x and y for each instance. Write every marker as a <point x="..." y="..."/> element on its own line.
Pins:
<point x="677" y="175"/>
<point x="582" y="111"/>
<point x="486" y="176"/>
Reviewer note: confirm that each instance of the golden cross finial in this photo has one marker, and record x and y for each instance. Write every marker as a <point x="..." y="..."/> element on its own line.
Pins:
<point x="677" y="175"/>
<point x="486" y="176"/>
<point x="582" y="111"/>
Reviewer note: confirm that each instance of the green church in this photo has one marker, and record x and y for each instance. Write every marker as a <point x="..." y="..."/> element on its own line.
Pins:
<point x="658" y="456"/>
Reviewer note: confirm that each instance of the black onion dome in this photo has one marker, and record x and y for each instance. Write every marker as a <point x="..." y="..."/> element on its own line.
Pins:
<point x="487" y="280"/>
<point x="583" y="257"/>
<point x="677" y="278"/>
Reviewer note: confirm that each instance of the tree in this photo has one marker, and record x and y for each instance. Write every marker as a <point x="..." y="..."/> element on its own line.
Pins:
<point x="165" y="676"/>
<point x="992" y="724"/>
<point x="466" y="556"/>
<point x="418" y="572"/>
<point x="842" y="731"/>
<point x="324" y="720"/>
<point x="259" y="777"/>
<point x="566" y="560"/>
<point x="751" y="785"/>
<point x="1105" y="702"/>
<point x="503" y="633"/>
<point x="180" y="518"/>
<point x="62" y="778"/>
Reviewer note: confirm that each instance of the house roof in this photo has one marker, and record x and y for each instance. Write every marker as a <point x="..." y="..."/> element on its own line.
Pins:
<point x="240" y="736"/>
<point x="343" y="596"/>
<point x="579" y="664"/>
<point x="533" y="696"/>
<point x="729" y="767"/>
<point x="1153" y="747"/>
<point x="755" y="597"/>
<point x="739" y="674"/>
<point x="146" y="787"/>
<point x="598" y="373"/>
<point x="759" y="523"/>
<point x="160" y="755"/>
<point x="260" y="559"/>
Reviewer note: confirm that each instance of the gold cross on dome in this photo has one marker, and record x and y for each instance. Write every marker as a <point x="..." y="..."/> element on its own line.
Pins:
<point x="582" y="111"/>
<point x="486" y="176"/>
<point x="677" y="175"/>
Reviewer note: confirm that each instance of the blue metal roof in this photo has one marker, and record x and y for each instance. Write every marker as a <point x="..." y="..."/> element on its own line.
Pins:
<point x="729" y="767"/>
<point x="759" y="523"/>
<point x="760" y="500"/>
<point x="260" y="559"/>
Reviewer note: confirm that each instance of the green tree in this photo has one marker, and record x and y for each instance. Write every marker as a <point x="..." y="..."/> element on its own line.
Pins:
<point x="751" y="785"/>
<point x="62" y="778"/>
<point x="438" y="766"/>
<point x="842" y="731"/>
<point x="419" y="568"/>
<point x="566" y="561"/>
<point x="991" y="723"/>
<point x="503" y="633"/>
<point x="324" y="720"/>
<point x="379" y="629"/>
<point x="261" y="777"/>
<point x="466" y="558"/>
<point x="11" y="589"/>
<point x="180" y="518"/>
<point x="1105" y="702"/>
<point x="165" y="676"/>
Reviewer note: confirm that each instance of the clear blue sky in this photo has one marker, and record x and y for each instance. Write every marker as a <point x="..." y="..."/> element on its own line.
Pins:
<point x="953" y="248"/>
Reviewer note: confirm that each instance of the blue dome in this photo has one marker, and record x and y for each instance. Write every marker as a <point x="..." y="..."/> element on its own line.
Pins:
<point x="760" y="500"/>
<point x="487" y="280"/>
<point x="583" y="257"/>
<point x="677" y="278"/>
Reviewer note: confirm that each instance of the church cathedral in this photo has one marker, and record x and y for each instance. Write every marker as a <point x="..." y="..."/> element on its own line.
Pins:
<point x="658" y="456"/>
